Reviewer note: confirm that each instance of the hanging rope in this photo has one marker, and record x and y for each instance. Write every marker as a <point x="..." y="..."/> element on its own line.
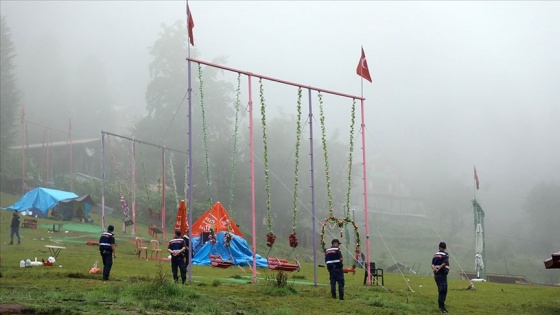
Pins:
<point x="270" y="237"/>
<point x="350" y="157"/>
<point x="172" y="170"/>
<point x="234" y="154"/>
<point x="148" y="199"/>
<point x="293" y="237"/>
<point x="208" y="183"/>
<point x="325" y="153"/>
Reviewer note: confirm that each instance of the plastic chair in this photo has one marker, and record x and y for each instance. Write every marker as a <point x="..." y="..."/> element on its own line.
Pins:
<point x="141" y="248"/>
<point x="155" y="248"/>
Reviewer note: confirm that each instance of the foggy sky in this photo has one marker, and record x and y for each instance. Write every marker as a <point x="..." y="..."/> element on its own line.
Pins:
<point x="455" y="84"/>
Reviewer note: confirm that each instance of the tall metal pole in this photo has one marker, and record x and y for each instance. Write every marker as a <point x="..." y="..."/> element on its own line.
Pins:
<point x="133" y="171"/>
<point x="71" y="154"/>
<point x="102" y="181"/>
<point x="163" y="216"/>
<point x="23" y="145"/>
<point x="252" y="166"/>
<point x="364" y="167"/>
<point x="189" y="168"/>
<point x="312" y="177"/>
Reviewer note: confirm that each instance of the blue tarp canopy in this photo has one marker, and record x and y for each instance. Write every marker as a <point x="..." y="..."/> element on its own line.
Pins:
<point x="238" y="252"/>
<point x="40" y="200"/>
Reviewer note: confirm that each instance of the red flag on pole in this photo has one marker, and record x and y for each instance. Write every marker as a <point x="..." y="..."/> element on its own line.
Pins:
<point x="476" y="178"/>
<point x="362" y="70"/>
<point x="191" y="25"/>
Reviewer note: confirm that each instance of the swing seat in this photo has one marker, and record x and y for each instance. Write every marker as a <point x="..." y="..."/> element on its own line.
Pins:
<point x="282" y="264"/>
<point x="219" y="262"/>
<point x="349" y="270"/>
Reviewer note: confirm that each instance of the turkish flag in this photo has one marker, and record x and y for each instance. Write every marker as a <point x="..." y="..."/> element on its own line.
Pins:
<point x="476" y="179"/>
<point x="191" y="25"/>
<point x="362" y="70"/>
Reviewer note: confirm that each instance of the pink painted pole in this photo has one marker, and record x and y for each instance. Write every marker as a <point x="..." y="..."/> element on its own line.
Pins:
<point x="252" y="162"/>
<point x="23" y="145"/>
<point x="365" y="190"/>
<point x="71" y="154"/>
<point x="133" y="169"/>
<point x="163" y="193"/>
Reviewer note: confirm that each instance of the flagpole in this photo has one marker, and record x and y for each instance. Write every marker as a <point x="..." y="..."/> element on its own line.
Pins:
<point x="188" y="36"/>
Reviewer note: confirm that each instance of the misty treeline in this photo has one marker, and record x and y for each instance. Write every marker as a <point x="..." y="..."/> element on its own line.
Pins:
<point x="219" y="173"/>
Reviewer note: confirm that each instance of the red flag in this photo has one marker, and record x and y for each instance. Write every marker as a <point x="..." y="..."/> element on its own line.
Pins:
<point x="362" y="70"/>
<point x="476" y="178"/>
<point x="191" y="25"/>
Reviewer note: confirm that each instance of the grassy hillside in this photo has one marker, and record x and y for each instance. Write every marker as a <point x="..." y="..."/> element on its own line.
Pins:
<point x="138" y="286"/>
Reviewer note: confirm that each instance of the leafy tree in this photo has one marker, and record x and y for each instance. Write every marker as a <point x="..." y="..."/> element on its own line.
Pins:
<point x="9" y="101"/>
<point x="166" y="121"/>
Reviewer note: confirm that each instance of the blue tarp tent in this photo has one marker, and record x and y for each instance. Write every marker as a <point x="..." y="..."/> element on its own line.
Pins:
<point x="40" y="200"/>
<point x="241" y="255"/>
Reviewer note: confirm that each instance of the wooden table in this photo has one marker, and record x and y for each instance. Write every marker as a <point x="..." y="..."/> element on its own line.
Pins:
<point x="55" y="250"/>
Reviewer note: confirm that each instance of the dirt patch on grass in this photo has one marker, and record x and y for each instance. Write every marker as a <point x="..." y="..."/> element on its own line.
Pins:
<point x="15" y="309"/>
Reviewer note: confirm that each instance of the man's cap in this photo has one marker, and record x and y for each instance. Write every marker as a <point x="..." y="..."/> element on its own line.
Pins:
<point x="335" y="241"/>
<point x="178" y="232"/>
<point x="110" y="228"/>
<point x="442" y="245"/>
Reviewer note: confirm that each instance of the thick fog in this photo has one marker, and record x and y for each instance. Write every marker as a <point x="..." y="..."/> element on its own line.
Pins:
<point x="455" y="84"/>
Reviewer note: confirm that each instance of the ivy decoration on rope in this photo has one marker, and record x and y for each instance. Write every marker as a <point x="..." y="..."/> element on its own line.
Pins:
<point x="325" y="152"/>
<point x="205" y="135"/>
<point x="172" y="170"/>
<point x="270" y="237"/>
<point x="293" y="237"/>
<point x="340" y="223"/>
<point x="350" y="157"/>
<point x="234" y="155"/>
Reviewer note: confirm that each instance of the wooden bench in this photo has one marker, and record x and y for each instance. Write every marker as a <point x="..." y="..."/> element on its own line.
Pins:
<point x="29" y="223"/>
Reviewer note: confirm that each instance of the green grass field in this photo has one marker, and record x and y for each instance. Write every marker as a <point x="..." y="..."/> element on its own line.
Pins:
<point x="138" y="286"/>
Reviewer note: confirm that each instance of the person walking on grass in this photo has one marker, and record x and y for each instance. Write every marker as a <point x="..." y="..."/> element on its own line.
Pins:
<point x="176" y="248"/>
<point x="333" y="259"/>
<point x="14" y="228"/>
<point x="107" y="251"/>
<point x="440" y="267"/>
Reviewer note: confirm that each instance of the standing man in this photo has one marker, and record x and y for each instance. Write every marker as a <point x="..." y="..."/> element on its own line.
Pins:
<point x="176" y="248"/>
<point x="333" y="259"/>
<point x="15" y="228"/>
<point x="107" y="250"/>
<point x="440" y="267"/>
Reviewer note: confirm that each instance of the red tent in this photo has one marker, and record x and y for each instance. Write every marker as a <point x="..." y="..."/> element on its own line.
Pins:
<point x="182" y="222"/>
<point x="216" y="218"/>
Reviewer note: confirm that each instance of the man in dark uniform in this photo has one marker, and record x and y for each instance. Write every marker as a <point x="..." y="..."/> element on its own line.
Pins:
<point x="176" y="248"/>
<point x="14" y="227"/>
<point x="333" y="259"/>
<point x="107" y="250"/>
<point x="440" y="267"/>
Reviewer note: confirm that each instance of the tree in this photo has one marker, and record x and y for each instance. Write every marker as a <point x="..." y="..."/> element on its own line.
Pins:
<point x="167" y="113"/>
<point x="9" y="100"/>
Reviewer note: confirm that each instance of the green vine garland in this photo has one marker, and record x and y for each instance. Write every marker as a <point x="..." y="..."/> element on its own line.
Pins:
<point x="296" y="166"/>
<point x="234" y="154"/>
<point x="325" y="152"/>
<point x="266" y="170"/>
<point x="350" y="157"/>
<point x="204" y="128"/>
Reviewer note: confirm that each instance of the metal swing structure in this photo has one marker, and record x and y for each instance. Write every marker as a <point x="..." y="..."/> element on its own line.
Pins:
<point x="130" y="220"/>
<point x="310" y="89"/>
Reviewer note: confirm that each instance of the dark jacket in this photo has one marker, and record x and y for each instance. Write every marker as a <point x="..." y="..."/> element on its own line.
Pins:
<point x="15" y="221"/>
